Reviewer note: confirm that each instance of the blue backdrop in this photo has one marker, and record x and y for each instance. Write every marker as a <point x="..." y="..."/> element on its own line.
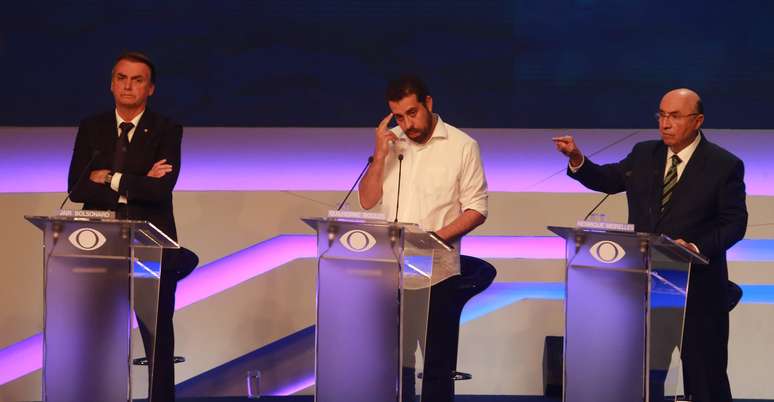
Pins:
<point x="548" y="64"/>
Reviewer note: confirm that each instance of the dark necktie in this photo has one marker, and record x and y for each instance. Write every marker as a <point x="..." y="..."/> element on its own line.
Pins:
<point x="669" y="182"/>
<point x="122" y="145"/>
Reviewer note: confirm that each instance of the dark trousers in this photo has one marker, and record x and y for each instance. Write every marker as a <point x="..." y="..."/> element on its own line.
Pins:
<point x="443" y="332"/>
<point x="162" y="381"/>
<point x="440" y="342"/>
<point x="705" y="357"/>
<point x="447" y="299"/>
<point x="160" y="350"/>
<point x="176" y="265"/>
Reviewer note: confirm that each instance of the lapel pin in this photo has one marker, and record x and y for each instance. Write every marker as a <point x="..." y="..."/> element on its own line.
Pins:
<point x="146" y="130"/>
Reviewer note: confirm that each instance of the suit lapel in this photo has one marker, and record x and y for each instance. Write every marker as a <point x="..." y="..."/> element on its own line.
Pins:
<point x="141" y="133"/>
<point x="108" y="135"/>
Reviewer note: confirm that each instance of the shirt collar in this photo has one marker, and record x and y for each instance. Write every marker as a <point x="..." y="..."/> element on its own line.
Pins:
<point x="135" y="120"/>
<point x="688" y="151"/>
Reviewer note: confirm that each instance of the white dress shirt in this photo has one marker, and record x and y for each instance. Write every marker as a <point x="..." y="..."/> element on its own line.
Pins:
<point x="439" y="180"/>
<point x="684" y="155"/>
<point x="116" y="181"/>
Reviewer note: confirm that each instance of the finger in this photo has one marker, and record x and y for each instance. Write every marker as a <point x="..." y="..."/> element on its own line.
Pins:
<point x="161" y="161"/>
<point x="385" y="122"/>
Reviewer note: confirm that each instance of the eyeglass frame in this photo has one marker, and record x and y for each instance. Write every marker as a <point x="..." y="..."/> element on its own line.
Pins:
<point x="672" y="116"/>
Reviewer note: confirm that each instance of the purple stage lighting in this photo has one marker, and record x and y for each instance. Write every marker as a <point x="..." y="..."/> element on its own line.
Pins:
<point x="273" y="159"/>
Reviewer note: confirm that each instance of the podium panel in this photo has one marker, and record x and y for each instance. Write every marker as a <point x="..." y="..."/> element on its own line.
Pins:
<point x="624" y="309"/>
<point x="96" y="273"/>
<point x="373" y="287"/>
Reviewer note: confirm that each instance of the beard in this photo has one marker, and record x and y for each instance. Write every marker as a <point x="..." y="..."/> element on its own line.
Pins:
<point x="422" y="135"/>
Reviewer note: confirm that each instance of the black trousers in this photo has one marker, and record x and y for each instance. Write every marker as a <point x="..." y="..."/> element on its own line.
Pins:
<point x="447" y="300"/>
<point x="161" y="368"/>
<point x="705" y="357"/>
<point x="176" y="264"/>
<point x="440" y="343"/>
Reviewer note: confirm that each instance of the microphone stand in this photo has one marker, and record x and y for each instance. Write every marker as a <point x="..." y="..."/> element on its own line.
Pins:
<point x="397" y="201"/>
<point x="370" y="160"/>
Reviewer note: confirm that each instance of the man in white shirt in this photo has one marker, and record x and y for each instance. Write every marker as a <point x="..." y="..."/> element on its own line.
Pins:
<point x="444" y="190"/>
<point x="692" y="190"/>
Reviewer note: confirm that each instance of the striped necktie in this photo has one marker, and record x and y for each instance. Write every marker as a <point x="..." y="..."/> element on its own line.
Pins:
<point x="669" y="182"/>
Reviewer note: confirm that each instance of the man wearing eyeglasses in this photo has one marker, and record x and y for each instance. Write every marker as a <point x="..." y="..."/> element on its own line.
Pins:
<point x="692" y="190"/>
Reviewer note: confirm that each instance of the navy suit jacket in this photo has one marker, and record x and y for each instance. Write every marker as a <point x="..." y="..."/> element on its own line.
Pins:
<point x="155" y="138"/>
<point x="707" y="207"/>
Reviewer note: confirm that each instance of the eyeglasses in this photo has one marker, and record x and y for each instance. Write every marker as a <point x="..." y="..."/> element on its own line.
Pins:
<point x="672" y="116"/>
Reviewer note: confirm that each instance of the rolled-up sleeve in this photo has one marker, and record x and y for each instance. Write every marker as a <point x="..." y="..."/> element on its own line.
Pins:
<point x="473" y="187"/>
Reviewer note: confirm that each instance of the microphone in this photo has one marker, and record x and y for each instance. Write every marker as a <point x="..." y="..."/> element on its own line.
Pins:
<point x="397" y="201"/>
<point x="595" y="207"/>
<point x="370" y="160"/>
<point x="80" y="178"/>
<point x="627" y="177"/>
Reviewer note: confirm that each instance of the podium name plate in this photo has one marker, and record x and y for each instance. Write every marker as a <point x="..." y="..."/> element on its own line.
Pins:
<point x="618" y="227"/>
<point x="84" y="213"/>
<point x="370" y="216"/>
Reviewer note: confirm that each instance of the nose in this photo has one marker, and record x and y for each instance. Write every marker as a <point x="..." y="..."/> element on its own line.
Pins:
<point x="409" y="124"/>
<point x="127" y="84"/>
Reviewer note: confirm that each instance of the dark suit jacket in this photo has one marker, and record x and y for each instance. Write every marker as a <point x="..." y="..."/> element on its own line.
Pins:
<point x="155" y="138"/>
<point x="707" y="207"/>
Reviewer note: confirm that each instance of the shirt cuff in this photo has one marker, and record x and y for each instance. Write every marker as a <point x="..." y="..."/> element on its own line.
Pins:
<point x="575" y="169"/>
<point x="116" y="181"/>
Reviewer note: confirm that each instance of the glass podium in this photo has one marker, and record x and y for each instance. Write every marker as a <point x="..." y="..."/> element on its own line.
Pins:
<point x="624" y="309"/>
<point x="373" y="294"/>
<point x="99" y="274"/>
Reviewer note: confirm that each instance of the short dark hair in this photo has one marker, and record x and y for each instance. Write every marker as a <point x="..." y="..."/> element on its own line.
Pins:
<point x="699" y="106"/>
<point x="138" y="57"/>
<point x="404" y="86"/>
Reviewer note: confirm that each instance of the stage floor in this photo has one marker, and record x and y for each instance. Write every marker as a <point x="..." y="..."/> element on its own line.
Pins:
<point x="458" y="398"/>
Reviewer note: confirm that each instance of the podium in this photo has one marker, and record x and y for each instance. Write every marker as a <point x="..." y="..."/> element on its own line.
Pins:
<point x="373" y="294"/>
<point x="624" y="309"/>
<point x="97" y="272"/>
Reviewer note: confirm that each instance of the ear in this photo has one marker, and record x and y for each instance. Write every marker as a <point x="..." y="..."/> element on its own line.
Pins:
<point x="429" y="103"/>
<point x="152" y="89"/>
<point x="699" y="121"/>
